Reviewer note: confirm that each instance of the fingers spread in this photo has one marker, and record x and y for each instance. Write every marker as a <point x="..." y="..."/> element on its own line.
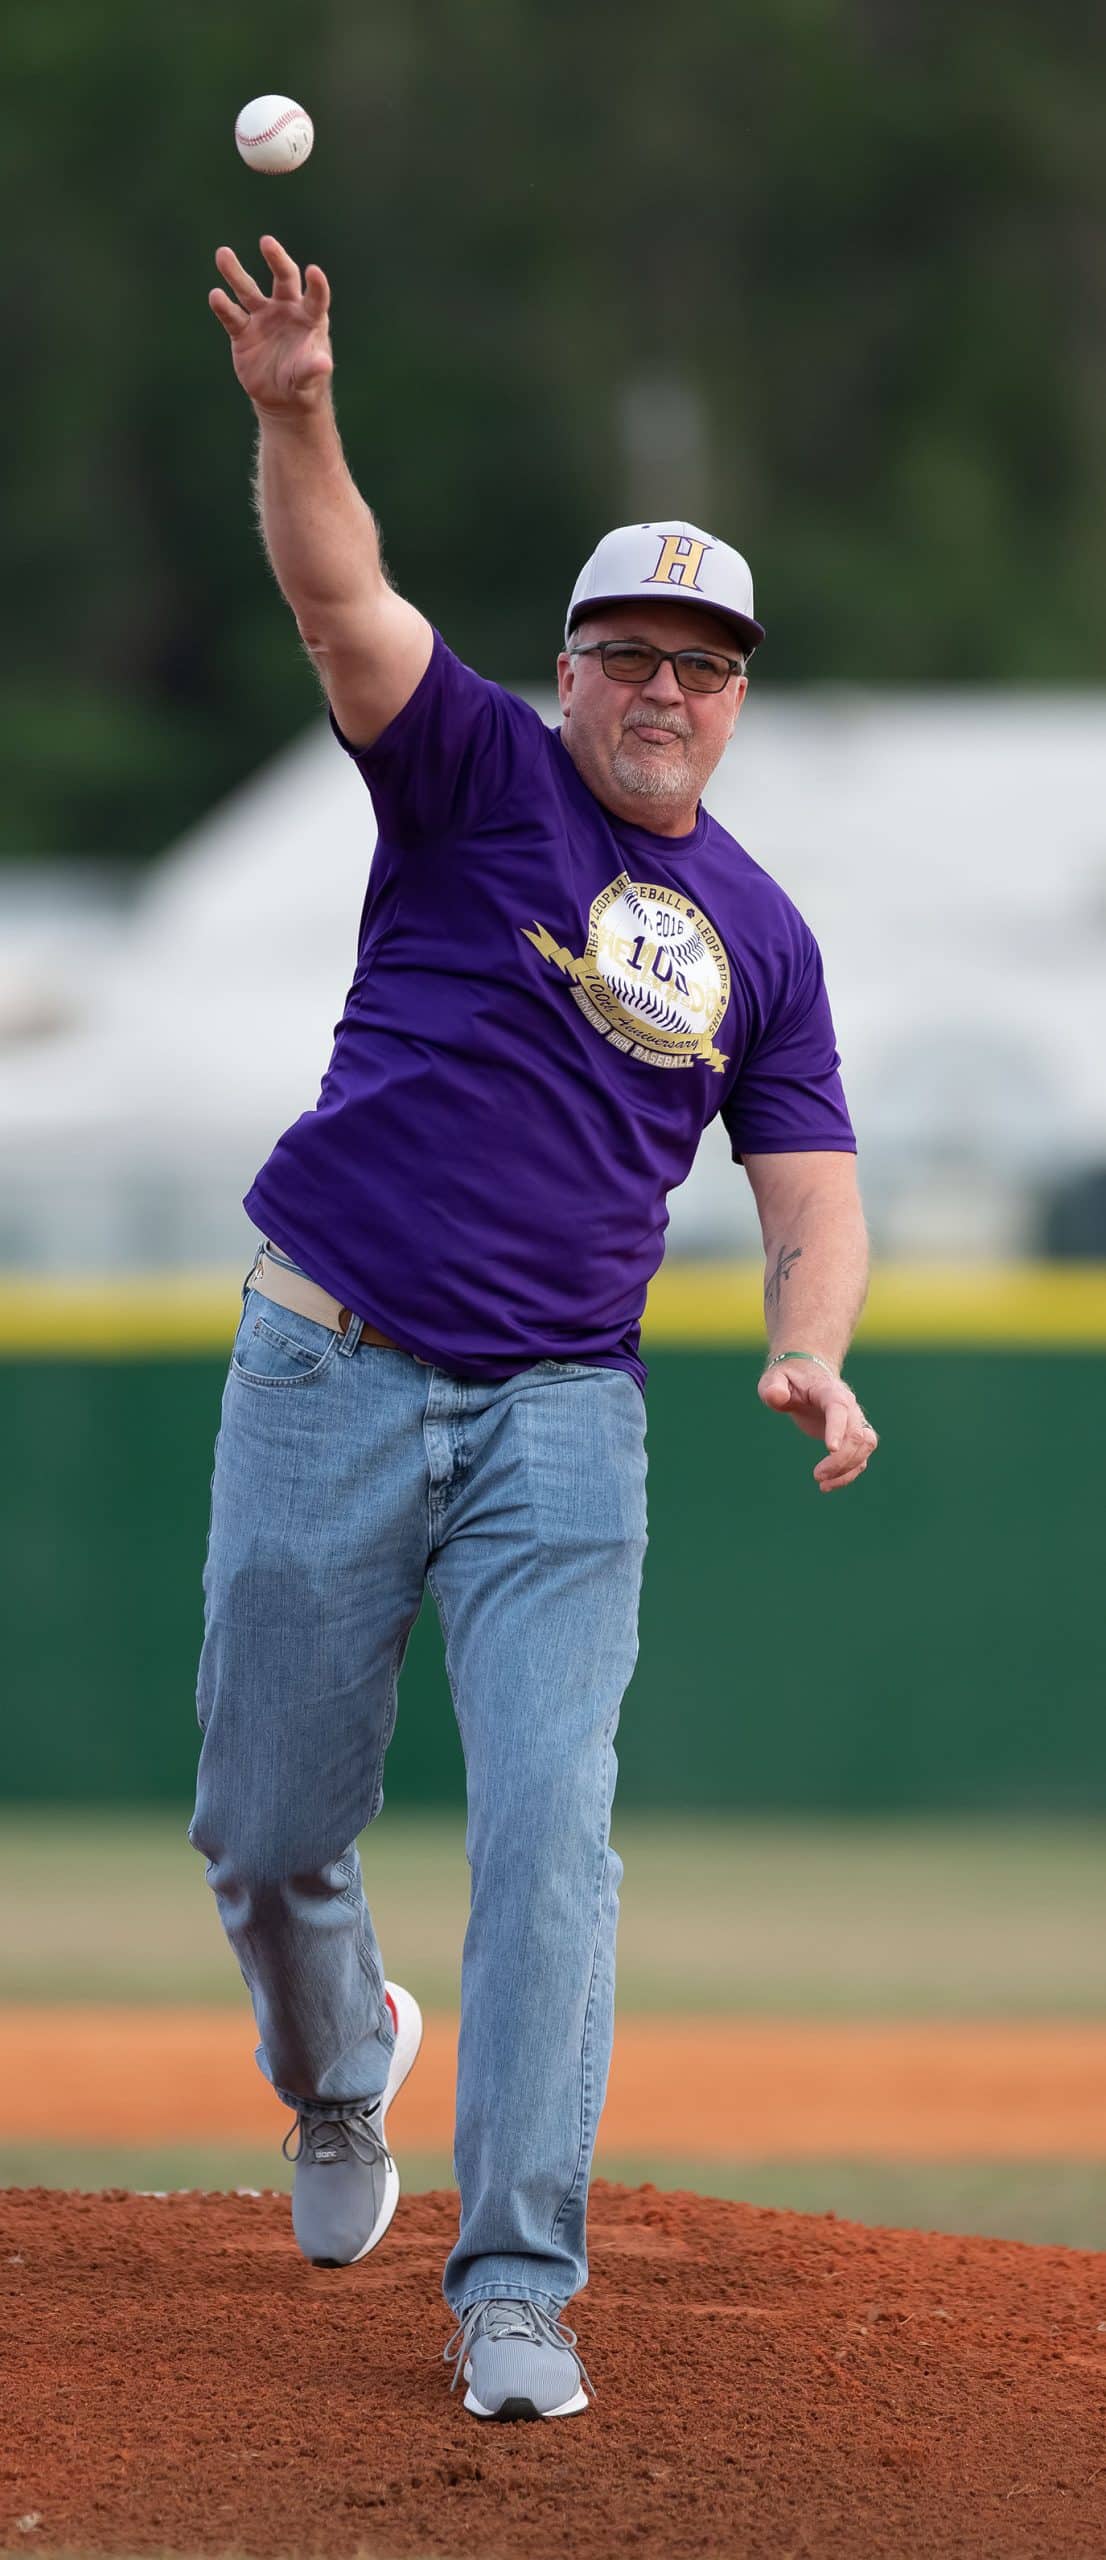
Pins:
<point x="285" y="273"/>
<point x="234" y="273"/>
<point x="231" y="314"/>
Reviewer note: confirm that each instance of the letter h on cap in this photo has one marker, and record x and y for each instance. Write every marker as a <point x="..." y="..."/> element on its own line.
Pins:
<point x="679" y="562"/>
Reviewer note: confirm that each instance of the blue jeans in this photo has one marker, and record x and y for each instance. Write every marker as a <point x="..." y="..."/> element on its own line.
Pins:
<point x="345" y="1479"/>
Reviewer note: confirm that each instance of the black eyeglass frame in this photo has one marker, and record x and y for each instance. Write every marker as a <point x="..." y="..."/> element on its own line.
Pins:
<point x="661" y="657"/>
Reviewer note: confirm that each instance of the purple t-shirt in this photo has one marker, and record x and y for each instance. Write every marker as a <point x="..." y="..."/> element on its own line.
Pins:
<point x="548" y="1007"/>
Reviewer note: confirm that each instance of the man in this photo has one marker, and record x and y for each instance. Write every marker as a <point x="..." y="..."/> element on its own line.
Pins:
<point x="565" y="969"/>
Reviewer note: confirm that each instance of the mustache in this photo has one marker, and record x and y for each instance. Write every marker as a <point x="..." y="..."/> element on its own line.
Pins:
<point x="661" y="720"/>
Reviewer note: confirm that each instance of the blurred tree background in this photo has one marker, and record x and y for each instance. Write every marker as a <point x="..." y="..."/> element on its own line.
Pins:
<point x="829" y="275"/>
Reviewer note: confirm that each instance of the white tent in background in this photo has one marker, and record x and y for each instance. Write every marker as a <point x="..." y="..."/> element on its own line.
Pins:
<point x="949" y="850"/>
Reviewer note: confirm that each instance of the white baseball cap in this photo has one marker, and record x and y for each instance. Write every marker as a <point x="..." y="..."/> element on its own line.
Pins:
<point x="677" y="560"/>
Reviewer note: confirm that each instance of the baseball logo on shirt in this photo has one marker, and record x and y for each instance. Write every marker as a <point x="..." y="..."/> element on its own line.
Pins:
<point x="654" y="979"/>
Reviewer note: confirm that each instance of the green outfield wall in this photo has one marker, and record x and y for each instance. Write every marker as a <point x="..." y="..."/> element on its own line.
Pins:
<point x="932" y="1638"/>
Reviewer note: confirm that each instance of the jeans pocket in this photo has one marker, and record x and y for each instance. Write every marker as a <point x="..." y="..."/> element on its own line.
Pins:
<point x="277" y="1347"/>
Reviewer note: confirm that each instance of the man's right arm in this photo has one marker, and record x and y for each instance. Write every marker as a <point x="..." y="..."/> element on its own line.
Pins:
<point x="369" y="646"/>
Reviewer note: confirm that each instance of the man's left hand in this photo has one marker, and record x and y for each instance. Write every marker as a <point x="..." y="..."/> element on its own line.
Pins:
<point x="826" y="1409"/>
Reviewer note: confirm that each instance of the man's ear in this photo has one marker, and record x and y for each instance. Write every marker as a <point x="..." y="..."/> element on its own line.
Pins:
<point x="566" y="676"/>
<point x="741" y="691"/>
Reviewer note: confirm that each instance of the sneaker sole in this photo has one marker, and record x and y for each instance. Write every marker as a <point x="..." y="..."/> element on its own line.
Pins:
<point x="408" y="2024"/>
<point x="525" y="2408"/>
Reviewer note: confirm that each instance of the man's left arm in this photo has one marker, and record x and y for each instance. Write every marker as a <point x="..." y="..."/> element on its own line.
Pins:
<point x="815" y="1280"/>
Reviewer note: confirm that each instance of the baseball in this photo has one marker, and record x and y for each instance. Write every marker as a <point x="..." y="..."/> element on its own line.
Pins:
<point x="275" y="135"/>
<point x="655" y="961"/>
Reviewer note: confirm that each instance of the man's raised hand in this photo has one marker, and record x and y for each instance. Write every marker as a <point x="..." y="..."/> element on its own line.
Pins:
<point x="280" y="341"/>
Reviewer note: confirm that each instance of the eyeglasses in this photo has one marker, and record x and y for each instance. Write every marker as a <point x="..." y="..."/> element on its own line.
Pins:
<point x="634" y="662"/>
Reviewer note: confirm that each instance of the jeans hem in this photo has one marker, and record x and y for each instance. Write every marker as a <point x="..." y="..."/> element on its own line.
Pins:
<point x="551" y="2302"/>
<point x="332" y="2106"/>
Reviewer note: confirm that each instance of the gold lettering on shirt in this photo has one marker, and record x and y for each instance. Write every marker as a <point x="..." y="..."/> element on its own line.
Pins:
<point x="654" y="978"/>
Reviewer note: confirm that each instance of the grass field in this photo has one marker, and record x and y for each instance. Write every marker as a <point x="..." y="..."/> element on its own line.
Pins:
<point x="783" y="1919"/>
<point x="888" y="1920"/>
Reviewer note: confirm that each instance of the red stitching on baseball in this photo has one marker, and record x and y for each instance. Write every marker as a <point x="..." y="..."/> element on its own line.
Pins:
<point x="251" y="140"/>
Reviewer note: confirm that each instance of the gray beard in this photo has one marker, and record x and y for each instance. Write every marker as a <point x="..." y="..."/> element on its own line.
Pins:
<point x="650" y="778"/>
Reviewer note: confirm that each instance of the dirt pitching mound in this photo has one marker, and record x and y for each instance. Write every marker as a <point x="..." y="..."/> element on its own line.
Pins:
<point x="176" y="2379"/>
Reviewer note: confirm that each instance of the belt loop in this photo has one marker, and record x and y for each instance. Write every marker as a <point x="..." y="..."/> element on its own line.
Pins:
<point x="349" y="1340"/>
<point x="250" y="1280"/>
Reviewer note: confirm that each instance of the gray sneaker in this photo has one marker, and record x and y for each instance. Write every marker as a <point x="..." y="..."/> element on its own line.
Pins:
<point x="346" y="2186"/>
<point x="518" y="2362"/>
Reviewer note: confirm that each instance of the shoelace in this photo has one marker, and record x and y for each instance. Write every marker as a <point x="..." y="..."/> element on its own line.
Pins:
<point x="511" y="2320"/>
<point x="329" y="2134"/>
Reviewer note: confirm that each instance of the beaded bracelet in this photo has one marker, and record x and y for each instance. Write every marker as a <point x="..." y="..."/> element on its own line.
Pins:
<point x="816" y="1356"/>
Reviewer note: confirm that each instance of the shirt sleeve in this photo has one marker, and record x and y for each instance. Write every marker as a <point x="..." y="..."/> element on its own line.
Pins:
<point x="450" y="756"/>
<point x="787" y="1096"/>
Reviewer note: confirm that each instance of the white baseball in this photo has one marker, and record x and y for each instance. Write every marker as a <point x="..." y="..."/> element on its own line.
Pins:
<point x="657" y="964"/>
<point x="275" y="135"/>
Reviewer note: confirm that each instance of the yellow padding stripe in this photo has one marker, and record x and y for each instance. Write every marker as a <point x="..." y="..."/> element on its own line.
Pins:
<point x="1000" y="1305"/>
<point x="1063" y="1305"/>
<point x="82" y="1319"/>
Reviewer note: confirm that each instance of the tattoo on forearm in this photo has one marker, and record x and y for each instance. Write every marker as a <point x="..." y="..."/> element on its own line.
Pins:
<point x="773" y="1286"/>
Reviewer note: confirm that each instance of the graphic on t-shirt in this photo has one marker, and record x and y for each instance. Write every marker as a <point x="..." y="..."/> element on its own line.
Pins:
<point x="654" y="979"/>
